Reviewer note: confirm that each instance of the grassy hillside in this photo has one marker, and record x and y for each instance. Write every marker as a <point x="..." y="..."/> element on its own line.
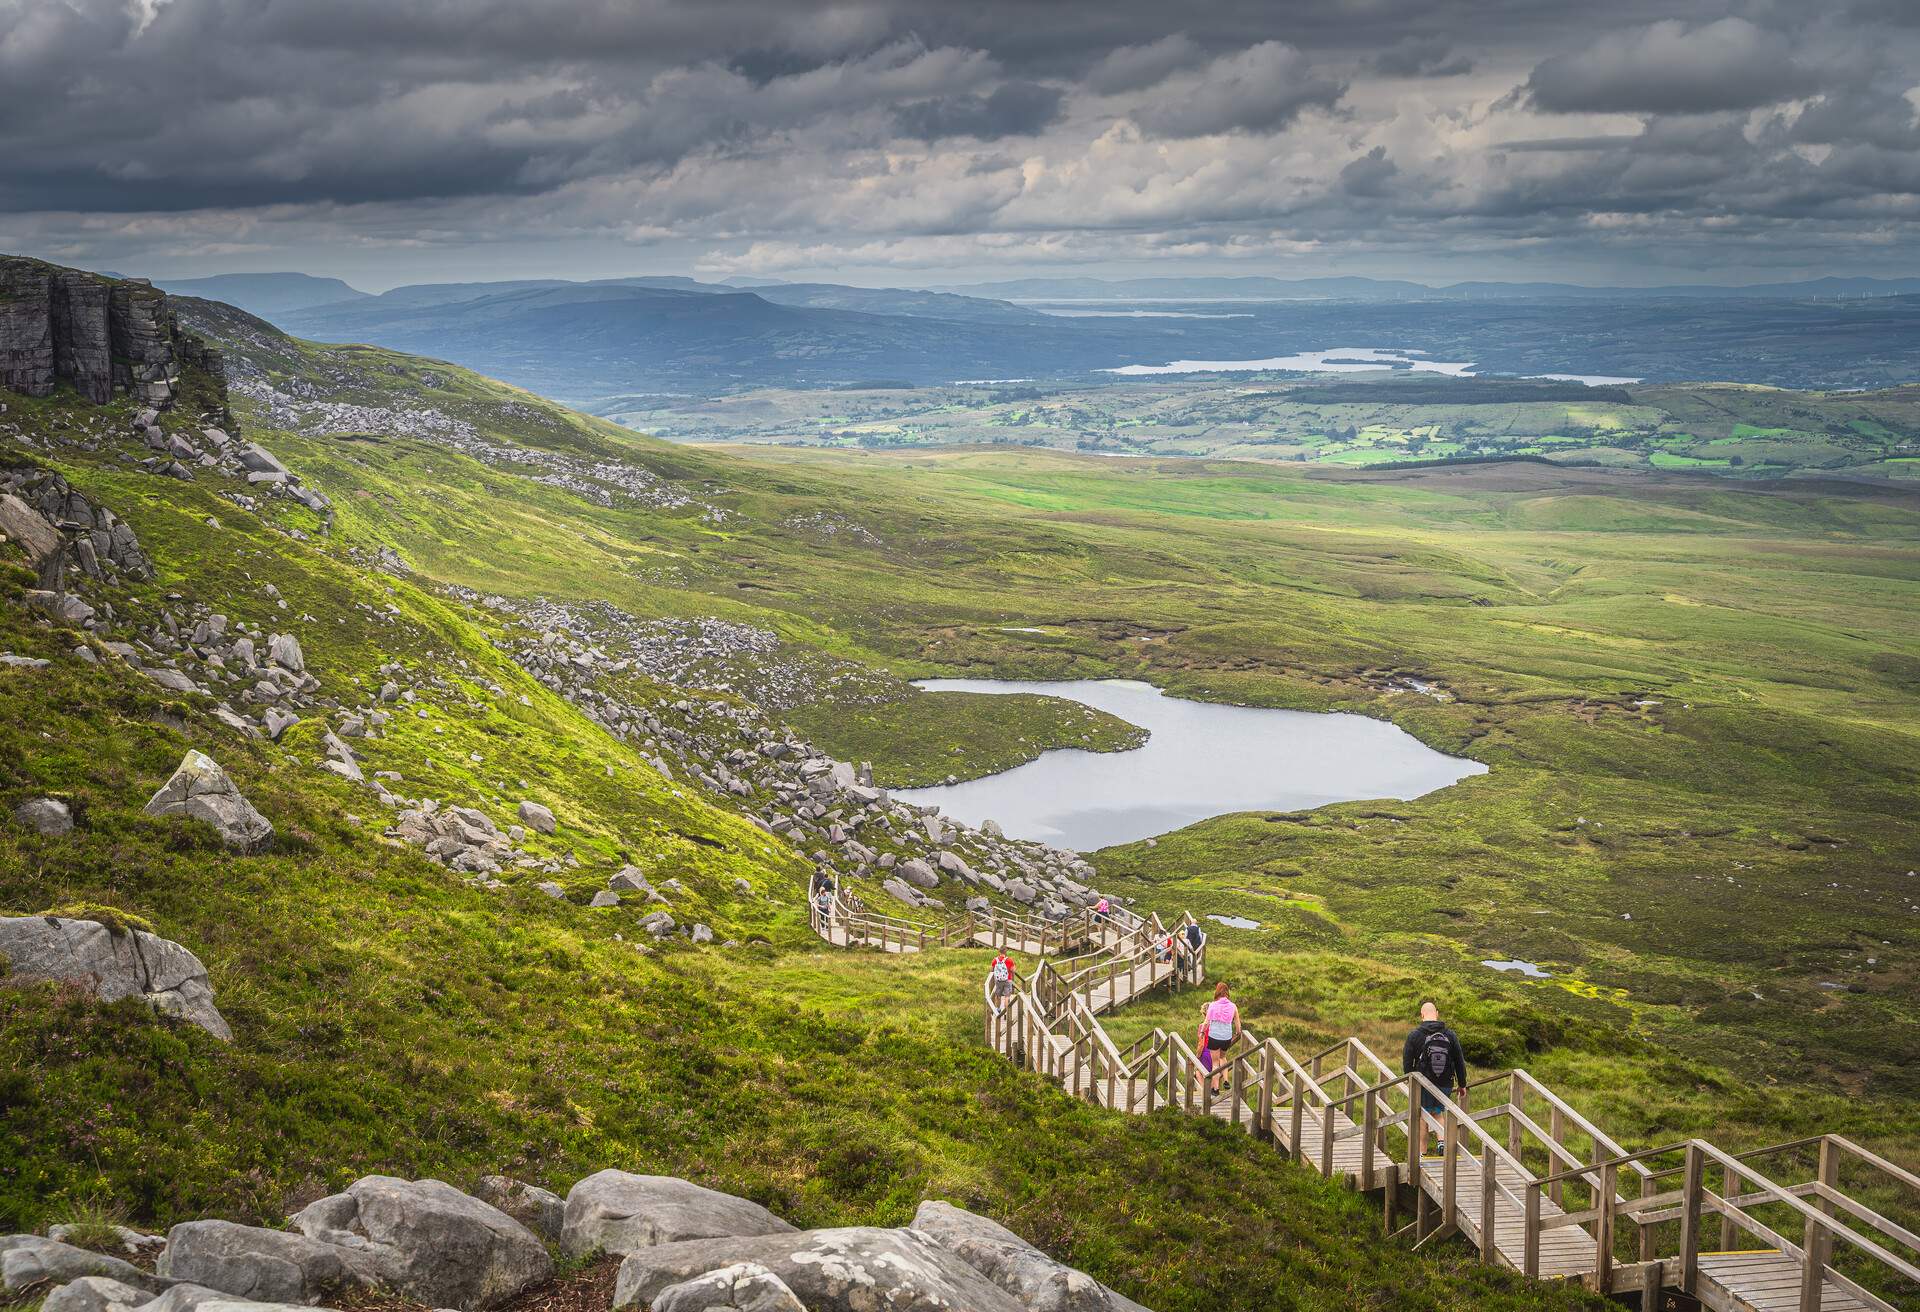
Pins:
<point x="1697" y="701"/>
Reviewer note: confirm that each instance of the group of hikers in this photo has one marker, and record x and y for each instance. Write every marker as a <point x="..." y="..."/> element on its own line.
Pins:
<point x="1432" y="1049"/>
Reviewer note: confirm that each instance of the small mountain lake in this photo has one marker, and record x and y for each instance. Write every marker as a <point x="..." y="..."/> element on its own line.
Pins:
<point x="1203" y="759"/>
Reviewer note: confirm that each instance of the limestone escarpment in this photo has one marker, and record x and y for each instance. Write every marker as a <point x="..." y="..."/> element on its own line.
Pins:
<point x="101" y="334"/>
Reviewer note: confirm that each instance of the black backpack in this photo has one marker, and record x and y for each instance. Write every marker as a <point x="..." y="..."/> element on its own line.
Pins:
<point x="1193" y="937"/>
<point x="1436" y="1056"/>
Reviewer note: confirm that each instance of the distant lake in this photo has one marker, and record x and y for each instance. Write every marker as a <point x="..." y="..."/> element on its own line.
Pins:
<point x="1340" y="360"/>
<point x="1202" y="759"/>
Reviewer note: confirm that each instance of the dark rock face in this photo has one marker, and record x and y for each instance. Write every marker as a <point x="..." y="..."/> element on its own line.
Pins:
<point x="101" y="335"/>
<point x="83" y="334"/>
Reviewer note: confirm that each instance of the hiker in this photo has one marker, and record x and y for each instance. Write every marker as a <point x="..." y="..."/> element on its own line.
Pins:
<point x="1163" y="951"/>
<point x="1222" y="1030"/>
<point x="1002" y="976"/>
<point x="1433" y="1050"/>
<point x="1100" y="911"/>
<point x="1195" y="939"/>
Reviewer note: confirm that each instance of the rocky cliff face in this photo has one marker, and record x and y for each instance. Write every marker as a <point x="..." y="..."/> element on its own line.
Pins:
<point x="102" y="335"/>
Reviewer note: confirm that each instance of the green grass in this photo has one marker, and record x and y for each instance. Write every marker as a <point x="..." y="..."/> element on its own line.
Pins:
<point x="923" y="738"/>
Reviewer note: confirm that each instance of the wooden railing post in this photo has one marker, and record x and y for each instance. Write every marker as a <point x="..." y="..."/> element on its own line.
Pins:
<point x="1557" y="1131"/>
<point x="1417" y="1149"/>
<point x="1327" y="1115"/>
<point x="1530" y="1256"/>
<point x="1690" y="1201"/>
<point x="1515" y="1091"/>
<point x="1817" y="1242"/>
<point x="1295" y="1116"/>
<point x="1489" y="1231"/>
<point x="1730" y="1186"/>
<point x="1267" y="1068"/>
<point x="1449" y="1171"/>
<point x="1603" y="1229"/>
<point x="1645" y="1247"/>
<point x="1369" y="1129"/>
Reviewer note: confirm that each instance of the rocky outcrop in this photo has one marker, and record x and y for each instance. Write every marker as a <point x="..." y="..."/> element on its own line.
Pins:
<point x="743" y="1287"/>
<point x="100" y="334"/>
<point x="30" y="1262"/>
<point x="427" y="1240"/>
<point x="855" y="1269"/>
<point x="41" y="512"/>
<point x="94" y="1294"/>
<point x="1016" y="1266"/>
<point x="687" y="1249"/>
<point x="201" y="789"/>
<point x="112" y="964"/>
<point x="270" y="1266"/>
<point x="619" y="1212"/>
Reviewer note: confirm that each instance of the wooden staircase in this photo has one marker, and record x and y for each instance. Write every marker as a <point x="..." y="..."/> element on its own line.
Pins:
<point x="1523" y="1178"/>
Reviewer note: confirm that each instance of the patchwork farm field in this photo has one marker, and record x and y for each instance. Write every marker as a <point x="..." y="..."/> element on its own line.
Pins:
<point x="1362" y="419"/>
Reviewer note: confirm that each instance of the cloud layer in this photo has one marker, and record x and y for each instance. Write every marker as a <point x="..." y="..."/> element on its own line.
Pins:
<point x="395" y="140"/>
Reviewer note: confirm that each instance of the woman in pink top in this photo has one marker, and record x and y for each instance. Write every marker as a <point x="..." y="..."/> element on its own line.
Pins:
<point x="1223" y="1029"/>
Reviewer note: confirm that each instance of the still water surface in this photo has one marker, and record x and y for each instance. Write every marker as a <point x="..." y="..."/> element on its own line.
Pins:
<point x="1202" y="760"/>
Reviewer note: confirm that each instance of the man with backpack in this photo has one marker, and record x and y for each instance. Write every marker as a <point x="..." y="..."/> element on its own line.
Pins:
<point x="1433" y="1050"/>
<point x="1002" y="975"/>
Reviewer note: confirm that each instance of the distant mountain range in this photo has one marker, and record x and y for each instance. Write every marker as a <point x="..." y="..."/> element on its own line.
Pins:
<point x="586" y="342"/>
<point x="265" y="294"/>
<point x="1378" y="289"/>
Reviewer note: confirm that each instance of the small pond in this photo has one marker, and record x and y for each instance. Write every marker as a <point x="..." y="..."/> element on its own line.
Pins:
<point x="1202" y="759"/>
<point x="1235" y="922"/>
<point x="1519" y="967"/>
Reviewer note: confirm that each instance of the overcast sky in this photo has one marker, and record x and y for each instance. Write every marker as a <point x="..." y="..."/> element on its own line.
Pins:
<point x="924" y="141"/>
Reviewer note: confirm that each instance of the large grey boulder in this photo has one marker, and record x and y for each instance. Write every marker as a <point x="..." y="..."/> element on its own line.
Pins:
<point x="539" y="1210"/>
<point x="535" y="816"/>
<point x="857" y="1269"/>
<point x="201" y="789"/>
<point x="28" y="527"/>
<point x="1016" y="1266"/>
<point x="112" y="965"/>
<point x="257" y="459"/>
<point x="742" y="1287"/>
<point x="429" y="1241"/>
<point x="31" y="1261"/>
<point x="918" y="872"/>
<point x="269" y="1266"/>
<point x="619" y="1212"/>
<point x="900" y="891"/>
<point x="283" y="649"/>
<point x="95" y="1294"/>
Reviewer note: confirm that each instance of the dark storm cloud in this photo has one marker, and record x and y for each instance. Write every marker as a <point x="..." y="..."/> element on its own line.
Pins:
<point x="1016" y="109"/>
<point x="1368" y="175"/>
<point x="1421" y="56"/>
<point x="1671" y="67"/>
<point x="1133" y="68"/>
<point x="1257" y="90"/>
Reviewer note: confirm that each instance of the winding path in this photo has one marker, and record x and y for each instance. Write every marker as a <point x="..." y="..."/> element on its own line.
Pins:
<point x="1528" y="1181"/>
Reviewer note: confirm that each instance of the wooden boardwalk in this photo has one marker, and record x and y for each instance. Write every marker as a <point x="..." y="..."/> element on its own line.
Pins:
<point x="1525" y="1180"/>
<point x="1767" y="1281"/>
